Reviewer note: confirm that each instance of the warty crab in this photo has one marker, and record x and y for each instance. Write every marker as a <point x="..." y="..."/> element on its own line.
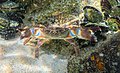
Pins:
<point x="65" y="32"/>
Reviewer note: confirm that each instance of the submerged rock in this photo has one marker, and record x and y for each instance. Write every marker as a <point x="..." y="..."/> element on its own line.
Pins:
<point x="18" y="58"/>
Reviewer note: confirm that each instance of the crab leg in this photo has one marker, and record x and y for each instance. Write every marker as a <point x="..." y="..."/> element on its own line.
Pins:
<point x="74" y="20"/>
<point x="27" y="40"/>
<point x="75" y="45"/>
<point x="70" y="39"/>
<point x="38" y="45"/>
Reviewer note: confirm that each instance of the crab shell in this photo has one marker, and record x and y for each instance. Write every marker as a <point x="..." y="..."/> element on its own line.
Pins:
<point x="58" y="32"/>
<point x="49" y="32"/>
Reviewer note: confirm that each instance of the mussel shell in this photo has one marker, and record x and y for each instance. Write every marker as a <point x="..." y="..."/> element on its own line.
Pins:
<point x="110" y="8"/>
<point x="92" y="14"/>
<point x="98" y="27"/>
<point x="114" y="23"/>
<point x="115" y="11"/>
<point x="105" y="7"/>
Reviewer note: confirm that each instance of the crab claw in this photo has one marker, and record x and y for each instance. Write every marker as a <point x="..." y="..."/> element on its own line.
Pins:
<point x="94" y="29"/>
<point x="21" y="37"/>
<point x="93" y="39"/>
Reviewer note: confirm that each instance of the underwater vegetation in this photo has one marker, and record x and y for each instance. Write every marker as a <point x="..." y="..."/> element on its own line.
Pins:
<point x="86" y="32"/>
<point x="10" y="19"/>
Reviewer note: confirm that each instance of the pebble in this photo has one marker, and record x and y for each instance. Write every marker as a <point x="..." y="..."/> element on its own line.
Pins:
<point x="101" y="54"/>
<point x="115" y="63"/>
<point x="118" y="54"/>
<point x="1" y="51"/>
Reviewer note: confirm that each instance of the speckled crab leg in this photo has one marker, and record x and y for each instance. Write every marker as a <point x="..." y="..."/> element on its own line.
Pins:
<point x="27" y="40"/>
<point x="75" y="45"/>
<point x="68" y="23"/>
<point x="38" y="45"/>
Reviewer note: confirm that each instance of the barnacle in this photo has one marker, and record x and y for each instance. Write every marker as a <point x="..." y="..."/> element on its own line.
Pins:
<point x="114" y="23"/>
<point x="92" y="14"/>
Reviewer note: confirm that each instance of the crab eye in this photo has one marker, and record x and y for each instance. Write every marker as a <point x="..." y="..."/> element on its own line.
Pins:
<point x="91" y="32"/>
<point x="23" y="33"/>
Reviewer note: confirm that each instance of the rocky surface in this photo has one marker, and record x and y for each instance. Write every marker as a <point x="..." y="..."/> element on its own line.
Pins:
<point x="102" y="58"/>
<point x="17" y="58"/>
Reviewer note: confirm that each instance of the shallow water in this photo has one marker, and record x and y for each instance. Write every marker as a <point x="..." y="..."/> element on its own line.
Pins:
<point x="57" y="55"/>
<point x="18" y="58"/>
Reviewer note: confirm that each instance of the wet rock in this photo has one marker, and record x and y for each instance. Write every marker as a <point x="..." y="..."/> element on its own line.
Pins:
<point x="19" y="58"/>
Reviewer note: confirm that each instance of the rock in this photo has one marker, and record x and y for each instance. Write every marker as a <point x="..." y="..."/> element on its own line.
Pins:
<point x="18" y="58"/>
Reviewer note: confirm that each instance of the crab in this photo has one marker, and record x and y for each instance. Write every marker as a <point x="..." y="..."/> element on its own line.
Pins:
<point x="65" y="32"/>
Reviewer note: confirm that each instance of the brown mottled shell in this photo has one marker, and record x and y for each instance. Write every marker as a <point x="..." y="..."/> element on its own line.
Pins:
<point x="56" y="32"/>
